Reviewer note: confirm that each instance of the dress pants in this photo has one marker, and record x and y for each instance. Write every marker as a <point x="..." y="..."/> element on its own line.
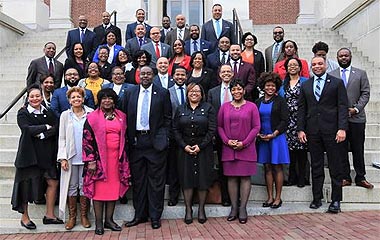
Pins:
<point x="148" y="170"/>
<point x="355" y="137"/>
<point x="221" y="177"/>
<point x="318" y="144"/>
<point x="172" y="171"/>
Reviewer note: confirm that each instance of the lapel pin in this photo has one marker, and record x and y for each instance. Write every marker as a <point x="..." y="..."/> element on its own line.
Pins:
<point x="154" y="93"/>
<point x="328" y="80"/>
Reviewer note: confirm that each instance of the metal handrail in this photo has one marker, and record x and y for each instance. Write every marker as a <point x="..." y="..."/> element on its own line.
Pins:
<point x="238" y="30"/>
<point x="23" y="91"/>
<point x="114" y="12"/>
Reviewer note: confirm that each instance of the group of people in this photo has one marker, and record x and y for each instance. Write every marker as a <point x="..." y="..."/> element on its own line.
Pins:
<point x="156" y="111"/>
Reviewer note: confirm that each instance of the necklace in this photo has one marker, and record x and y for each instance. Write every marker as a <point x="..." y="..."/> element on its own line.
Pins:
<point x="109" y="116"/>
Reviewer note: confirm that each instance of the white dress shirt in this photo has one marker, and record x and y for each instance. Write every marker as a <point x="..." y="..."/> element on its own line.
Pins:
<point x="164" y="79"/>
<point x="139" y="127"/>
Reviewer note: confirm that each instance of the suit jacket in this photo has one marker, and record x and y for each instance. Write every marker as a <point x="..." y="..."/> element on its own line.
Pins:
<point x="159" y="116"/>
<point x="358" y="92"/>
<point x="213" y="97"/>
<point x="157" y="81"/>
<point x="71" y="63"/>
<point x="39" y="67"/>
<point x="174" y="99"/>
<point x="89" y="42"/>
<point x="207" y="79"/>
<point x="329" y="114"/>
<point x="116" y="50"/>
<point x="279" y="114"/>
<point x="121" y="94"/>
<point x="130" y="32"/>
<point x="163" y="35"/>
<point x="60" y="103"/>
<point x="133" y="45"/>
<point x="100" y="32"/>
<point x="205" y="47"/>
<point x="246" y="73"/>
<point x="165" y="51"/>
<point x="172" y="36"/>
<point x="268" y="58"/>
<point x="213" y="60"/>
<point x="208" y="32"/>
<point x="106" y="71"/>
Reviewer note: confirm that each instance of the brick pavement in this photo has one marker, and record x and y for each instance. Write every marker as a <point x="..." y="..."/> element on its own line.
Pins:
<point x="346" y="225"/>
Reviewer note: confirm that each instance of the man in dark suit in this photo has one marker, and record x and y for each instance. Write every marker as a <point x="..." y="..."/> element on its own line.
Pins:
<point x="180" y="32"/>
<point x="221" y="55"/>
<point x="358" y="92"/>
<point x="156" y="48"/>
<point x="165" y="28"/>
<point x="177" y="98"/>
<point x="242" y="70"/>
<point x="59" y="101"/>
<point x="45" y="65"/>
<point x="195" y="43"/>
<point x="138" y="41"/>
<point x="273" y="53"/>
<point x="140" y="17"/>
<point x="163" y="79"/>
<point x="216" y="28"/>
<point x="216" y="97"/>
<point x="100" y="31"/>
<point x="148" y="112"/>
<point x="322" y="123"/>
<point x="84" y="36"/>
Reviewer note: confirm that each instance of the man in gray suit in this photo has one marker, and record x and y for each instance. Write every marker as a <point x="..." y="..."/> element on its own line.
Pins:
<point x="358" y="91"/>
<point x="135" y="43"/>
<point x="273" y="53"/>
<point x="156" y="48"/>
<point x="45" y="65"/>
<point x="180" y="32"/>
<point x="163" y="79"/>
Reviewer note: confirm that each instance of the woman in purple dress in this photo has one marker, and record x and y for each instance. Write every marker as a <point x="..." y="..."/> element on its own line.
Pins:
<point x="238" y="126"/>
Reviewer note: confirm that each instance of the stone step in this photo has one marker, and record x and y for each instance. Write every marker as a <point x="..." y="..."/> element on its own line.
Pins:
<point x="9" y="129"/>
<point x="372" y="175"/>
<point x="9" y="141"/>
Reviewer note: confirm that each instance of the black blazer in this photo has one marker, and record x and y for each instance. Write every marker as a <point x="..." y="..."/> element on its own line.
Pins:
<point x="329" y="114"/>
<point x="100" y="33"/>
<point x="279" y="113"/>
<point x="207" y="79"/>
<point x="71" y="63"/>
<point x="159" y="117"/>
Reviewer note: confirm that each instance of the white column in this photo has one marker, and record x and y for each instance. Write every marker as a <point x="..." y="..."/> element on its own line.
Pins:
<point x="307" y="12"/>
<point x="126" y="10"/>
<point x="60" y="14"/>
<point x="155" y="12"/>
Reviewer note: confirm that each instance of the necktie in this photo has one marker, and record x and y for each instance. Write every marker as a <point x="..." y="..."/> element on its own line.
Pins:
<point x="163" y="81"/>
<point x="180" y="34"/>
<point x="275" y="53"/>
<point x="182" y="95"/>
<point x="82" y="36"/>
<point x="51" y="66"/>
<point x="157" y="51"/>
<point x="218" y="29"/>
<point x="235" y="68"/>
<point x="226" y="98"/>
<point x="195" y="46"/>
<point x="224" y="58"/>
<point x="318" y="89"/>
<point x="344" y="78"/>
<point x="144" y="118"/>
<point x="140" y="42"/>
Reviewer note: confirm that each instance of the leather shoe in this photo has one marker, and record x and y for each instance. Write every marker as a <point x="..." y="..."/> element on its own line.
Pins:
<point x="268" y="204"/>
<point x="113" y="226"/>
<point x="172" y="202"/>
<point x="231" y="218"/>
<point x="156" y="224"/>
<point x="346" y="183"/>
<point x="334" y="207"/>
<point x="99" y="231"/>
<point x="276" y="205"/>
<point x="136" y="221"/>
<point x="315" y="204"/>
<point x="30" y="225"/>
<point x="46" y="220"/>
<point x="226" y="203"/>
<point x="365" y="184"/>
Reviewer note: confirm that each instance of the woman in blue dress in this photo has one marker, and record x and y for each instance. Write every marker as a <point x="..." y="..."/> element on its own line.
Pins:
<point x="272" y="148"/>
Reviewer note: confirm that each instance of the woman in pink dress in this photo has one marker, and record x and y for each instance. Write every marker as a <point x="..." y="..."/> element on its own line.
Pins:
<point x="106" y="170"/>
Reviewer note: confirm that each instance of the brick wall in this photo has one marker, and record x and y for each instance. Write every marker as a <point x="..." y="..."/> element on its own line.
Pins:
<point x="91" y="9"/>
<point x="273" y="11"/>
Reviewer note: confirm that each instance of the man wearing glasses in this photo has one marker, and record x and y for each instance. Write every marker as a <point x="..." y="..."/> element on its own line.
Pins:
<point x="273" y="53"/>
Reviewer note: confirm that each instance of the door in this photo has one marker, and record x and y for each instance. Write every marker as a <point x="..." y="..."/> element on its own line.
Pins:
<point x="191" y="9"/>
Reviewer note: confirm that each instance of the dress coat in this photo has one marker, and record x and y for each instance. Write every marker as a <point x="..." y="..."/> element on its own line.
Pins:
<point x="163" y="35"/>
<point x="121" y="94"/>
<point x="39" y="67"/>
<point x="268" y="57"/>
<point x="204" y="46"/>
<point x="172" y="36"/>
<point x="130" y="31"/>
<point x="100" y="33"/>
<point x="157" y="81"/>
<point x="89" y="43"/>
<point x="133" y="45"/>
<point x="116" y="50"/>
<point x="165" y="51"/>
<point x="185" y="63"/>
<point x="66" y="150"/>
<point x="208" y="32"/>
<point x="71" y="63"/>
<point x="207" y="79"/>
<point x="247" y="74"/>
<point x="213" y="60"/>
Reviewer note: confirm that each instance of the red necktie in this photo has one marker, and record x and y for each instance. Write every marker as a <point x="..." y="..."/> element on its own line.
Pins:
<point x="157" y="51"/>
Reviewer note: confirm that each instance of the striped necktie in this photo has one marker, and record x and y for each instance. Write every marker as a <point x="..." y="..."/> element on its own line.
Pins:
<point x="318" y="89"/>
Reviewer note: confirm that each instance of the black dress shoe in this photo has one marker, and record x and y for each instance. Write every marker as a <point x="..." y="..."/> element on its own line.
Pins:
<point x="226" y="203"/>
<point x="30" y="225"/>
<point x="172" y="202"/>
<point x="231" y="218"/>
<point x="334" y="207"/>
<point x="276" y="205"/>
<point x="301" y="185"/>
<point x="202" y="220"/>
<point x="243" y="220"/>
<point x="123" y="200"/>
<point x="156" y="224"/>
<point x="99" y="231"/>
<point x="46" y="220"/>
<point x="315" y="204"/>
<point x="136" y="221"/>
<point x="113" y="226"/>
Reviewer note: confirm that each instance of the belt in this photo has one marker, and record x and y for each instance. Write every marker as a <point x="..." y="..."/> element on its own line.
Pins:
<point x="143" y="132"/>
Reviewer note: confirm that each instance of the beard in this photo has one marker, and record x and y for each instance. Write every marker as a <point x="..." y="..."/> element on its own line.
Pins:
<point x="345" y="65"/>
<point x="71" y="84"/>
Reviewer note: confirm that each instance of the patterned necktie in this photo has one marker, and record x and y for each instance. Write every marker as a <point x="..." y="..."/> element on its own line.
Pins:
<point x="235" y="68"/>
<point x="180" y="34"/>
<point x="140" y="42"/>
<point x="195" y="46"/>
<point x="51" y="66"/>
<point x="157" y="51"/>
<point x="318" y="89"/>
<point x="275" y="53"/>
<point x="224" y="58"/>
<point x="182" y="95"/>
<point x="82" y="36"/>
<point x="344" y="78"/>
<point x="144" y="117"/>
<point x="226" y="98"/>
<point x="218" y="29"/>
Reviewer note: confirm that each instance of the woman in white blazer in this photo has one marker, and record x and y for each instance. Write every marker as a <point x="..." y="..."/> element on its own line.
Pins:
<point x="70" y="157"/>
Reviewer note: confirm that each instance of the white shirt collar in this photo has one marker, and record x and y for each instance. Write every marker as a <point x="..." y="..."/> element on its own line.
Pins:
<point x="34" y="110"/>
<point x="149" y="89"/>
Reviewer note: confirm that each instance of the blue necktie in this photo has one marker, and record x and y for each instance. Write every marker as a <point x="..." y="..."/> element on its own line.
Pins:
<point x="218" y="30"/>
<point x="182" y="95"/>
<point x="195" y="46"/>
<point x="344" y="78"/>
<point x="318" y="89"/>
<point x="82" y="36"/>
<point x="275" y="53"/>
<point x="140" y="42"/>
<point x="144" y="118"/>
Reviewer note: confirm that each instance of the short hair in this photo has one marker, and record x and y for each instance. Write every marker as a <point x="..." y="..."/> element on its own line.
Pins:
<point x="139" y="9"/>
<point x="97" y="64"/>
<point x="107" y="92"/>
<point x="288" y="60"/>
<point x="72" y="51"/>
<point x="44" y="76"/>
<point x="116" y="67"/>
<point x="32" y="87"/>
<point x="118" y="63"/>
<point x="293" y="42"/>
<point x="194" y="25"/>
<point x="75" y="89"/>
<point x="193" y="57"/>
<point x="140" y="24"/>
<point x="216" y="5"/>
<point x="138" y="54"/>
<point x="104" y="47"/>
<point x="108" y="31"/>
<point x="190" y="87"/>
<point x="179" y="67"/>
<point x="344" y="48"/>
<point x="166" y="16"/>
<point x="50" y="43"/>
<point x="245" y="35"/>
<point x="320" y="46"/>
<point x="269" y="77"/>
<point x="235" y="82"/>
<point x="278" y="26"/>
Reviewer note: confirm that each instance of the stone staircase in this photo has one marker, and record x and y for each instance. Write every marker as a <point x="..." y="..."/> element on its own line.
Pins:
<point x="15" y="61"/>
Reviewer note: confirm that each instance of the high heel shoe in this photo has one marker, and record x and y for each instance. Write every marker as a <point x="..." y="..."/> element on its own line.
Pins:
<point x="243" y="220"/>
<point x="113" y="226"/>
<point x="203" y="219"/>
<point x="277" y="205"/>
<point x="188" y="220"/>
<point x="232" y="216"/>
<point x="268" y="204"/>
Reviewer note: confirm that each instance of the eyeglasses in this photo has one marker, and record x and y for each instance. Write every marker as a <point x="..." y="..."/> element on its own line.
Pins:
<point x="274" y="33"/>
<point x="72" y="74"/>
<point x="118" y="74"/>
<point x="249" y="39"/>
<point x="195" y="91"/>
